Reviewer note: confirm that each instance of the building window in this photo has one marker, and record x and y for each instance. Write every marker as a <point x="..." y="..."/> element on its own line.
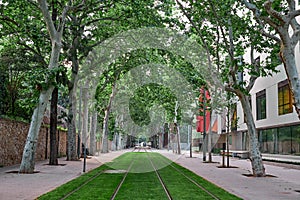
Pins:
<point x="285" y="104"/>
<point x="261" y="106"/>
<point x="282" y="140"/>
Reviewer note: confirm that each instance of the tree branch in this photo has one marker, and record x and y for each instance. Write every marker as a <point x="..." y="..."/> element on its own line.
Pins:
<point x="48" y="19"/>
<point x="198" y="31"/>
<point x="292" y="15"/>
<point x="222" y="30"/>
<point x="295" y="38"/>
<point x="274" y="13"/>
<point x="33" y="51"/>
<point x="260" y="19"/>
<point x="8" y="19"/>
<point x="62" y="19"/>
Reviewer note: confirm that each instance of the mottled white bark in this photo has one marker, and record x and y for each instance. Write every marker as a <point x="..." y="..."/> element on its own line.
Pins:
<point x="178" y="139"/>
<point x="289" y="61"/>
<point x="71" y="137"/>
<point x="28" y="158"/>
<point x="93" y="134"/>
<point x="255" y="155"/>
<point x="106" y="120"/>
<point x="85" y="118"/>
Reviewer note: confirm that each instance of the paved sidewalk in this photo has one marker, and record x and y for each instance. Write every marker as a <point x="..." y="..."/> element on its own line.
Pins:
<point x="14" y="186"/>
<point x="285" y="184"/>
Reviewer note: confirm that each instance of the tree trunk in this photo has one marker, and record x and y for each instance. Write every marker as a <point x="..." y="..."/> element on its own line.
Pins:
<point x="255" y="155"/>
<point x="178" y="139"/>
<point x="28" y="158"/>
<point x="106" y="119"/>
<point x="72" y="87"/>
<point x="53" y="128"/>
<point x="209" y="138"/>
<point x="114" y="142"/>
<point x="93" y="134"/>
<point x="85" y="117"/>
<point x="71" y="147"/>
<point x="288" y="58"/>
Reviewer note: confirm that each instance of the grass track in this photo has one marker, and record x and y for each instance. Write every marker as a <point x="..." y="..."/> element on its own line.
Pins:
<point x="141" y="183"/>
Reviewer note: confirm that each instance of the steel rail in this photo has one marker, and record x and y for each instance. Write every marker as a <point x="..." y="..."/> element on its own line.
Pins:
<point x="195" y="183"/>
<point x="159" y="178"/>
<point x="121" y="183"/>
<point x="86" y="182"/>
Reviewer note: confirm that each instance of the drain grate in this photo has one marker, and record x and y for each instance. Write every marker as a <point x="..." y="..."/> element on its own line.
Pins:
<point x="119" y="171"/>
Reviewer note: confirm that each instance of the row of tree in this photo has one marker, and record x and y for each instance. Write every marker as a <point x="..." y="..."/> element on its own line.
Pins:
<point x="36" y="51"/>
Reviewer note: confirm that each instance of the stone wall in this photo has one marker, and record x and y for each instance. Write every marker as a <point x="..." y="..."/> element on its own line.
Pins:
<point x="13" y="136"/>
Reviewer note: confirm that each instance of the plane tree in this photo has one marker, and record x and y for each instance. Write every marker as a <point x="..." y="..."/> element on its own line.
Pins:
<point x="228" y="36"/>
<point x="278" y="21"/>
<point x="82" y="21"/>
<point x="88" y="27"/>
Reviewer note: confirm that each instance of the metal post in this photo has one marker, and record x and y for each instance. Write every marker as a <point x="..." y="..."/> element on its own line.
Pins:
<point x="190" y="139"/>
<point x="79" y="127"/>
<point x="204" y="126"/>
<point x="228" y="129"/>
<point x="85" y="129"/>
<point x="209" y="138"/>
<point x="162" y="137"/>
<point x="223" y="156"/>
<point x="169" y="130"/>
<point x="84" y="159"/>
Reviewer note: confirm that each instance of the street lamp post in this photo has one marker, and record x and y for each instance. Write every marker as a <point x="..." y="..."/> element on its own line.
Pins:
<point x="85" y="127"/>
<point x="204" y="126"/>
<point x="79" y="126"/>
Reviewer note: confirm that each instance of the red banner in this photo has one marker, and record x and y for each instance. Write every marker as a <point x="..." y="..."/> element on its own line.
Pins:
<point x="200" y="122"/>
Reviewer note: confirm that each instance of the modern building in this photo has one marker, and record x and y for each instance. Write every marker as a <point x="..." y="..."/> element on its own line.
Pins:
<point x="275" y="118"/>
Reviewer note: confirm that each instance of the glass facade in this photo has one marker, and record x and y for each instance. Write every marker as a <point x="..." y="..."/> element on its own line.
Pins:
<point x="285" y="104"/>
<point x="284" y="140"/>
<point x="261" y="105"/>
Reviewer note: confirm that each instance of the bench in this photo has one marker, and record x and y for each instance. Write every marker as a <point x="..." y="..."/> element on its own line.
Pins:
<point x="237" y="153"/>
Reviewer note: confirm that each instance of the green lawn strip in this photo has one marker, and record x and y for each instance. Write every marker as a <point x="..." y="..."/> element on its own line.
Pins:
<point x="122" y="162"/>
<point x="165" y="173"/>
<point x="142" y="182"/>
<point x="141" y="186"/>
<point x="68" y="187"/>
<point x="180" y="187"/>
<point x="217" y="191"/>
<point x="141" y="163"/>
<point x="101" y="187"/>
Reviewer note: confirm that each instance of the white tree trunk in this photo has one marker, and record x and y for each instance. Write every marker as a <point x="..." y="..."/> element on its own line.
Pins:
<point x="255" y="155"/>
<point x="28" y="158"/>
<point x="71" y="137"/>
<point x="114" y="143"/>
<point x="85" y="119"/>
<point x="106" y="120"/>
<point x="289" y="61"/>
<point x="178" y="139"/>
<point x="93" y="134"/>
